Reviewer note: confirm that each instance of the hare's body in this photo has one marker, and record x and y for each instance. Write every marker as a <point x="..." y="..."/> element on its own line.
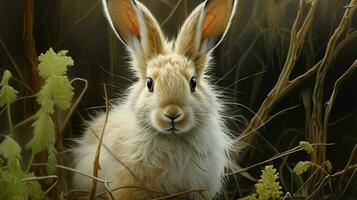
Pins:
<point x="164" y="163"/>
<point x="167" y="136"/>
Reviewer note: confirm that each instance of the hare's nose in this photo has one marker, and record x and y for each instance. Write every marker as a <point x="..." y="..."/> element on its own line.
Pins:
<point x="172" y="113"/>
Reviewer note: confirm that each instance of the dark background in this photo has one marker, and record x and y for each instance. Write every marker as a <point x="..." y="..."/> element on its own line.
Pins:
<point x="248" y="63"/>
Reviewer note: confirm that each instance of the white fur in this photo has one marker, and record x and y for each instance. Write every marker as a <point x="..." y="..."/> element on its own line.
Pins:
<point x="198" y="161"/>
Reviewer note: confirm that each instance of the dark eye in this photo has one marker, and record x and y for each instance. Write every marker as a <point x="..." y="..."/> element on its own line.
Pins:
<point x="193" y="84"/>
<point x="150" y="84"/>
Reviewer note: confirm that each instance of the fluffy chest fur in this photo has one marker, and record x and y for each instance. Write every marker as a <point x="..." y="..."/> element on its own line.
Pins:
<point x="164" y="163"/>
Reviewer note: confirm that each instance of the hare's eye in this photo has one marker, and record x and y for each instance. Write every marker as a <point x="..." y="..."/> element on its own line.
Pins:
<point x="150" y="84"/>
<point x="193" y="84"/>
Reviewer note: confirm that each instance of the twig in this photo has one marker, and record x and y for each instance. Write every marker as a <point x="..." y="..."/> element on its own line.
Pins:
<point x="50" y="188"/>
<point x="96" y="164"/>
<point x="335" y="91"/>
<point x="330" y="176"/>
<point x="72" y="170"/>
<point x="291" y="151"/>
<point x="40" y="178"/>
<point x="130" y="187"/>
<point x="27" y="120"/>
<point x="279" y="155"/>
<point x="350" y="160"/>
<point x="105" y="182"/>
<point x="13" y="62"/>
<point x="79" y="20"/>
<point x="171" y="13"/>
<point x="171" y="196"/>
<point x="267" y="121"/>
<point x="317" y="131"/>
<point x="348" y="182"/>
<point x="74" y="106"/>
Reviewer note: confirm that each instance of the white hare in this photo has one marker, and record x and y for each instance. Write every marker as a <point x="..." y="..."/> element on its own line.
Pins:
<point x="168" y="133"/>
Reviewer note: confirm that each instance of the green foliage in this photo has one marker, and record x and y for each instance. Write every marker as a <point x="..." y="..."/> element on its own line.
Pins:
<point x="10" y="149"/>
<point x="307" y="147"/>
<point x="11" y="184"/>
<point x="302" y="167"/>
<point x="44" y="133"/>
<point x="268" y="186"/>
<point x="57" y="90"/>
<point x="7" y="93"/>
<point x="52" y="63"/>
<point x="328" y="166"/>
<point x="52" y="160"/>
<point x="16" y="183"/>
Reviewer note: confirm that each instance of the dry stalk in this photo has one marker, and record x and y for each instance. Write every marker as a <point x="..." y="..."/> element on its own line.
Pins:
<point x="96" y="165"/>
<point x="105" y="182"/>
<point x="133" y="187"/>
<point x="180" y="194"/>
<point x="335" y="91"/>
<point x="75" y="104"/>
<point x="284" y="84"/>
<point x="318" y="132"/>
<point x="171" y="13"/>
<point x="277" y="156"/>
<point x="320" y="186"/>
<point x="353" y="156"/>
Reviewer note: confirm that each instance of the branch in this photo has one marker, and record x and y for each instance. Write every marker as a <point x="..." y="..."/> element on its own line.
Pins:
<point x="318" y="134"/>
<point x="335" y="91"/>
<point x="283" y="84"/>
<point x="74" y="106"/>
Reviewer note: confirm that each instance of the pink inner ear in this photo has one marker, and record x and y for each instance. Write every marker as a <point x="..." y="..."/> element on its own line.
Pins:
<point x="126" y="11"/>
<point x="216" y="18"/>
<point x="132" y="25"/>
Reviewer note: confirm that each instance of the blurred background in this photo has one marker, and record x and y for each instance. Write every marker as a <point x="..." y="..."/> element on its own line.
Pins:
<point x="247" y="65"/>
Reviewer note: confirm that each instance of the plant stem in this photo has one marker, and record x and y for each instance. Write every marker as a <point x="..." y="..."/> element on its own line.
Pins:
<point x="30" y="162"/>
<point x="12" y="133"/>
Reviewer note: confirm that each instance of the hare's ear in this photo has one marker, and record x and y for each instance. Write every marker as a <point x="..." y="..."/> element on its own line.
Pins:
<point x="205" y="28"/>
<point x="135" y="26"/>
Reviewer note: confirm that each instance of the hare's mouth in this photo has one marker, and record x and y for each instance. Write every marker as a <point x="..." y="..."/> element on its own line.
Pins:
<point x="171" y="128"/>
<point x="172" y="119"/>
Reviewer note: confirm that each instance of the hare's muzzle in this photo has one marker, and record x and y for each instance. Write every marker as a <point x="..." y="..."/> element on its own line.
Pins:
<point x="172" y="113"/>
<point x="172" y="119"/>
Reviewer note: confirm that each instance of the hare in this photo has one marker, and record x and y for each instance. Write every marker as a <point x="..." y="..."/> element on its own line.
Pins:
<point x="167" y="136"/>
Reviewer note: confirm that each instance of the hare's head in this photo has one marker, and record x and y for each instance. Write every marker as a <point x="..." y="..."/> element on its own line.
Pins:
<point x="171" y="95"/>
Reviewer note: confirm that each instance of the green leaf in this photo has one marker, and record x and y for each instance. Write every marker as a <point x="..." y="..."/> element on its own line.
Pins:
<point x="14" y="188"/>
<point x="44" y="98"/>
<point x="52" y="160"/>
<point x="12" y="152"/>
<point x="268" y="186"/>
<point x="7" y="95"/>
<point x="307" y="147"/>
<point x="34" y="190"/>
<point x="13" y="185"/>
<point x="10" y="149"/>
<point x="52" y="63"/>
<point x="5" y="78"/>
<point x="62" y="91"/>
<point x="302" y="167"/>
<point x="44" y="133"/>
